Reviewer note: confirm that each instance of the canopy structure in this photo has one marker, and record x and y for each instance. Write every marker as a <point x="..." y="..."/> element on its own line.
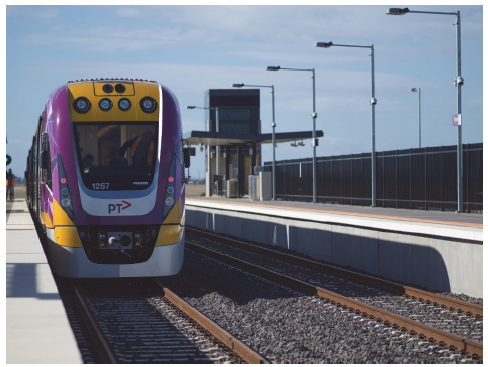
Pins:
<point x="239" y="141"/>
<point x="229" y="139"/>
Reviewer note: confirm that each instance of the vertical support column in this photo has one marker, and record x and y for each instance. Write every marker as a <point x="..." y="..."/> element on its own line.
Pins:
<point x="227" y="160"/>
<point x="240" y="172"/>
<point x="253" y="157"/>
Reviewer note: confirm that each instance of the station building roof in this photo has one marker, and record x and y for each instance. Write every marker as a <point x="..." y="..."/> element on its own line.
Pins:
<point x="226" y="139"/>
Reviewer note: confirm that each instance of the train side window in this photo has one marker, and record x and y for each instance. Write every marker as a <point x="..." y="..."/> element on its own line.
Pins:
<point x="47" y="176"/>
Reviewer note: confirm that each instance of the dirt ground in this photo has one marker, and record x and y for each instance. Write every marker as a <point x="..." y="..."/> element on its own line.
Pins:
<point x="194" y="190"/>
<point x="191" y="190"/>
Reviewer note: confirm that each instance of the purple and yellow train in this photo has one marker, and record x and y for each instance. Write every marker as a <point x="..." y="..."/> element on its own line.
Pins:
<point x="106" y="179"/>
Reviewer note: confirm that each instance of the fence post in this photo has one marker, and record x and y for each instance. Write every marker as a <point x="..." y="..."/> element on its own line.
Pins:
<point x="410" y="177"/>
<point x="442" y="175"/>
<point x="342" y="183"/>
<point x="396" y="179"/>
<point x="362" y="184"/>
<point x="350" y="166"/>
<point x="467" y="178"/>
<point x="425" y="178"/>
<point x="383" y="156"/>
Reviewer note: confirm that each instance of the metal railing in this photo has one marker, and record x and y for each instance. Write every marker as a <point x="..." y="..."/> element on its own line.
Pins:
<point x="419" y="178"/>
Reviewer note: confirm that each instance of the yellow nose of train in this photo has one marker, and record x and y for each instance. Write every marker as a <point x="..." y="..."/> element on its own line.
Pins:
<point x="113" y="100"/>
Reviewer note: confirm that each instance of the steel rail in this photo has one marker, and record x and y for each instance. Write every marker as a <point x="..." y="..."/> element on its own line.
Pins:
<point x="103" y="346"/>
<point x="414" y="293"/>
<point x="230" y="341"/>
<point x="453" y="342"/>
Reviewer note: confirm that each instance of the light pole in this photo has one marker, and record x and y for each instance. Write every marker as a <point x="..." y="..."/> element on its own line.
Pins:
<point x="417" y="90"/>
<point x="217" y="148"/>
<point x="458" y="82"/>
<point x="273" y="125"/>
<point x="373" y="101"/>
<point x="314" y="116"/>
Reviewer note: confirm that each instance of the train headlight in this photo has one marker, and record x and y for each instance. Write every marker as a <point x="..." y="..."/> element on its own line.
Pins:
<point x="64" y="191"/>
<point x="125" y="241"/>
<point x="81" y="105"/>
<point x="148" y="105"/>
<point x="169" y="199"/>
<point x="105" y="104"/>
<point x="124" y="104"/>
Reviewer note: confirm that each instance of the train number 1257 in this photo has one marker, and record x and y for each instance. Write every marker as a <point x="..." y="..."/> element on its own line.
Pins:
<point x="100" y="186"/>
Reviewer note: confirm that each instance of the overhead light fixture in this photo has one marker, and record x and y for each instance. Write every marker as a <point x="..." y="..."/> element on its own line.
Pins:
<point x="397" y="11"/>
<point x="323" y="44"/>
<point x="294" y="144"/>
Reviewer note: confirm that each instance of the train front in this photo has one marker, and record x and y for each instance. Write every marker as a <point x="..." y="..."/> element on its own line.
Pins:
<point x="123" y="195"/>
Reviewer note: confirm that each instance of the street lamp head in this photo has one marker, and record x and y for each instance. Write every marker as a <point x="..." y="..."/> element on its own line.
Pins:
<point x="273" y="68"/>
<point x="190" y="107"/>
<point x="237" y="85"/>
<point x="397" y="11"/>
<point x="414" y="90"/>
<point x="323" y="44"/>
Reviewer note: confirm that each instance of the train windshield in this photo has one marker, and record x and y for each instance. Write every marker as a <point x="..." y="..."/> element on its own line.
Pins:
<point x="117" y="156"/>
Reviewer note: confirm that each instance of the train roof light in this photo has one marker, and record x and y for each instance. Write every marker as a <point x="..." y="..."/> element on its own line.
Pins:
<point x="119" y="88"/>
<point x="81" y="105"/>
<point x="108" y="88"/>
<point x="148" y="104"/>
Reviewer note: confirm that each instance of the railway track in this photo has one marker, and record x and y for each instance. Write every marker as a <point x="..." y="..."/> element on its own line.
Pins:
<point x="158" y="329"/>
<point x="444" y="308"/>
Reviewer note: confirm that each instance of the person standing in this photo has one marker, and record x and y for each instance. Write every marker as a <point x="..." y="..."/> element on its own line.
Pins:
<point x="139" y="148"/>
<point x="10" y="184"/>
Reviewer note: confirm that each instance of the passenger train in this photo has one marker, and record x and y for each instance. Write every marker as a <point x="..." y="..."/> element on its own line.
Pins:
<point x="106" y="179"/>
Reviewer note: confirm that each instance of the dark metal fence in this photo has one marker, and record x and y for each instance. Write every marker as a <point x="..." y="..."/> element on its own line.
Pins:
<point x="422" y="178"/>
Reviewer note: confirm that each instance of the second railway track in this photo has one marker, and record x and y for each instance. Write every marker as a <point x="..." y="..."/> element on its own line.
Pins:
<point x="433" y="317"/>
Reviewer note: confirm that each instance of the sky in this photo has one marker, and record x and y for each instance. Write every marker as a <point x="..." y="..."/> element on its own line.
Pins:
<point x="191" y="49"/>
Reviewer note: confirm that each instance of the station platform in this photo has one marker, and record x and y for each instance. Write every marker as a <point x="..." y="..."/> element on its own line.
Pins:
<point x="37" y="327"/>
<point x="436" y="250"/>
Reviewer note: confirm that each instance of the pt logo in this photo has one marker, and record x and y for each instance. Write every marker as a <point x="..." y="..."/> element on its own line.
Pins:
<point x="118" y="207"/>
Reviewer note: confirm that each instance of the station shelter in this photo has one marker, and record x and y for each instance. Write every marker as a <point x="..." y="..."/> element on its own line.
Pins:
<point x="233" y="143"/>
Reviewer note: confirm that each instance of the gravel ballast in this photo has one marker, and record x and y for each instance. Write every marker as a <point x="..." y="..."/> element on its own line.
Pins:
<point x="288" y="327"/>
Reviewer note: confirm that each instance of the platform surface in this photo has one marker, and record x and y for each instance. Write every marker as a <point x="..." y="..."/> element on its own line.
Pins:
<point x="466" y="226"/>
<point x="37" y="327"/>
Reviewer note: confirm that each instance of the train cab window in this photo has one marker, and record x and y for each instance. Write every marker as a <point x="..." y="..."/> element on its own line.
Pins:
<point x="117" y="156"/>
